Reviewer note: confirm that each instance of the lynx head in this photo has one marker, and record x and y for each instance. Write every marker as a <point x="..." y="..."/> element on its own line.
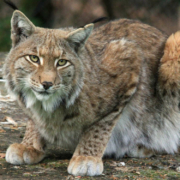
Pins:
<point x="44" y="65"/>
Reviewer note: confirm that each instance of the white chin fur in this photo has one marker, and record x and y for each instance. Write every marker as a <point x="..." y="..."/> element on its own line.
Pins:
<point x="30" y="100"/>
<point x="49" y="102"/>
<point x="42" y="97"/>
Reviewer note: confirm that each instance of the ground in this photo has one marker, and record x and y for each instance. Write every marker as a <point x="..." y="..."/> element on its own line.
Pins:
<point x="54" y="166"/>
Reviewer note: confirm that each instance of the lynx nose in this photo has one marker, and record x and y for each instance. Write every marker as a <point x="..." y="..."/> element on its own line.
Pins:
<point x="46" y="84"/>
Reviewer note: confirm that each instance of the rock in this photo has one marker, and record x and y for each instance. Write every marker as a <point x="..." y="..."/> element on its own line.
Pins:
<point x="178" y="169"/>
<point x="121" y="164"/>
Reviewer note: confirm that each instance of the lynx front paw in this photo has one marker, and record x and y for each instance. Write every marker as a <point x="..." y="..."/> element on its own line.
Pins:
<point x="85" y="166"/>
<point x="20" y="154"/>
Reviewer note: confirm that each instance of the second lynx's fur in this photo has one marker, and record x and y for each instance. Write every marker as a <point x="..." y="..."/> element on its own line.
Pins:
<point x="99" y="92"/>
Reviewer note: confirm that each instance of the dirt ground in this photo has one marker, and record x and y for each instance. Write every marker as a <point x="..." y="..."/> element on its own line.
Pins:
<point x="54" y="166"/>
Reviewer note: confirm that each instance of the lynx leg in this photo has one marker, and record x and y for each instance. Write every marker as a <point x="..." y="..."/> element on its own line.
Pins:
<point x="140" y="152"/>
<point x="87" y="158"/>
<point x="30" y="151"/>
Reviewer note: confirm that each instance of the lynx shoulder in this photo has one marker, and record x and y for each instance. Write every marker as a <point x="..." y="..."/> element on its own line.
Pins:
<point x="99" y="91"/>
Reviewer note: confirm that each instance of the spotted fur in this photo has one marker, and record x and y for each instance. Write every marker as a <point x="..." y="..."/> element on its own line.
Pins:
<point x="116" y="95"/>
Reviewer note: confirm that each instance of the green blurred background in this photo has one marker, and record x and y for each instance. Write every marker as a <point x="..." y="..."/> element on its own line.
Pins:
<point x="163" y="14"/>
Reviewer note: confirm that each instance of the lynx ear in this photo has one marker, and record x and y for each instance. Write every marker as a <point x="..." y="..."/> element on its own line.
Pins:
<point x="79" y="36"/>
<point x="21" y="27"/>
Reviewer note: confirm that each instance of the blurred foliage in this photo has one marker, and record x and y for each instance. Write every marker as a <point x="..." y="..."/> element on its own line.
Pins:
<point x="5" y="42"/>
<point x="39" y="11"/>
<point x="163" y="14"/>
<point x="32" y="9"/>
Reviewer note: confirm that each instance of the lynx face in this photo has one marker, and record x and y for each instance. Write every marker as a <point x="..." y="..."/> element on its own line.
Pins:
<point x="45" y="72"/>
<point x="44" y="64"/>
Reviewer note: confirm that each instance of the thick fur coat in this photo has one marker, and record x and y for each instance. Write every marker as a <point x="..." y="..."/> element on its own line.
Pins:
<point x="102" y="92"/>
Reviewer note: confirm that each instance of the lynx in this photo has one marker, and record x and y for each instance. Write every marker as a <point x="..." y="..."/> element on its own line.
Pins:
<point x="109" y="91"/>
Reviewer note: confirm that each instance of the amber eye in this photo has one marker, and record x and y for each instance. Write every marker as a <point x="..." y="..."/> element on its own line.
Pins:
<point x="61" y="62"/>
<point x="34" y="58"/>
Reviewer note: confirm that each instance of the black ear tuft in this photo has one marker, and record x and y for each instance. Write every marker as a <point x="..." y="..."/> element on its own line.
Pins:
<point x="11" y="4"/>
<point x="97" y="20"/>
<point x="100" y="19"/>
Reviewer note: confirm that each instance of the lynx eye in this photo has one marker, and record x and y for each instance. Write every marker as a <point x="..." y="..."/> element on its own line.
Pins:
<point x="62" y="62"/>
<point x="34" y="58"/>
